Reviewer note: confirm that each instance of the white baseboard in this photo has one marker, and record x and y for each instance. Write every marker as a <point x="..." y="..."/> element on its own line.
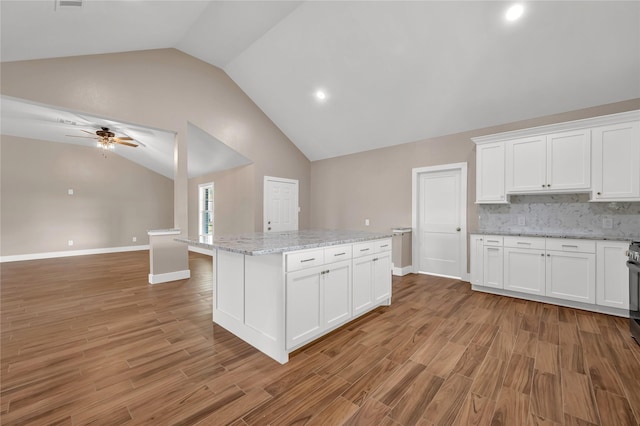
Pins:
<point x="201" y="250"/>
<point x="401" y="272"/>
<point x="169" y="276"/>
<point x="68" y="253"/>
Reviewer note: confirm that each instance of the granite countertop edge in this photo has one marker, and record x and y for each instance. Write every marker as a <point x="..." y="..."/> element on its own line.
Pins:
<point x="230" y="243"/>
<point x="563" y="236"/>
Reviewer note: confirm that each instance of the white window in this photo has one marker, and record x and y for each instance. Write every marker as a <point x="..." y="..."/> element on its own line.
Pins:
<point x="205" y="218"/>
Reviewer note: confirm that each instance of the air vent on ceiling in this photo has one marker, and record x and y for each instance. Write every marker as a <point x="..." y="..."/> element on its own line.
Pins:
<point x="67" y="4"/>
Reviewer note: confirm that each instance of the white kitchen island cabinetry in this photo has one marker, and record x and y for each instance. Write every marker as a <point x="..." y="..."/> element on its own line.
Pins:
<point x="280" y="291"/>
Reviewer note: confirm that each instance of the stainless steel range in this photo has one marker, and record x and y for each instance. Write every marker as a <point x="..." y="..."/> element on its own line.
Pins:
<point x="634" y="291"/>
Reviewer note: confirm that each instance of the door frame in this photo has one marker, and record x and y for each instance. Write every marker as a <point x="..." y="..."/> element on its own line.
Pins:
<point x="265" y="201"/>
<point x="415" y="187"/>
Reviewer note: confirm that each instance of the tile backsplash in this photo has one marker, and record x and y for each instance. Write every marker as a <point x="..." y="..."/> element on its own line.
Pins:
<point x="562" y="214"/>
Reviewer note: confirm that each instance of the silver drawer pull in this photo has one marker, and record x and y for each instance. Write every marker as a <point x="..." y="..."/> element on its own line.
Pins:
<point x="340" y="254"/>
<point x="386" y="245"/>
<point x="493" y="241"/>
<point x="523" y="242"/>
<point x="566" y="245"/>
<point x="364" y="249"/>
<point x="307" y="260"/>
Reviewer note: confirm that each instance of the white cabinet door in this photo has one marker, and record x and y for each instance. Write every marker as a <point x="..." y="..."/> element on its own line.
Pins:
<point x="616" y="162"/>
<point x="569" y="160"/>
<point x="524" y="270"/>
<point x="490" y="173"/>
<point x="571" y="276"/>
<point x="303" y="299"/>
<point x="492" y="267"/>
<point x="612" y="274"/>
<point x="336" y="289"/>
<point x="477" y="247"/>
<point x="382" y="277"/>
<point x="362" y="279"/>
<point x="526" y="164"/>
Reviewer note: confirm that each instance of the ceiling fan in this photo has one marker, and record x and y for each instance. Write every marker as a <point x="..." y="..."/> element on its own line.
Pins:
<point x="107" y="139"/>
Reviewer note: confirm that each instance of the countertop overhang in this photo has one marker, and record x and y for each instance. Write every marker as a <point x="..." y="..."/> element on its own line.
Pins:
<point x="261" y="243"/>
<point x="557" y="235"/>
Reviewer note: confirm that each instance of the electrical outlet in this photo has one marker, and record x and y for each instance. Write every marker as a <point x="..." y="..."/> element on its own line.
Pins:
<point x="366" y="222"/>
<point x="134" y="239"/>
<point x="607" y="223"/>
<point x="70" y="243"/>
<point x="521" y="221"/>
<point x="70" y="191"/>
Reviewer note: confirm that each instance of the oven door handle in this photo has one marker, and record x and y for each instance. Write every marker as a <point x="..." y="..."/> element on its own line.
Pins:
<point x="633" y="266"/>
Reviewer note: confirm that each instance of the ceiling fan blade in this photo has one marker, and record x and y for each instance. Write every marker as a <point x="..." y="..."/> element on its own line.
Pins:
<point x="125" y="143"/>
<point x="126" y="138"/>
<point x="76" y="136"/>
<point x="86" y="131"/>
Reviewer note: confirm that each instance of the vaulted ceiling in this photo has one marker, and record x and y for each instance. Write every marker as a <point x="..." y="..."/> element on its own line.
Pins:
<point x="392" y="71"/>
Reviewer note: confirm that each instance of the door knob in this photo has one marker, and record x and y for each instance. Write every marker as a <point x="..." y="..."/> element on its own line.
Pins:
<point x="458" y="229"/>
<point x="269" y="223"/>
<point x="269" y="229"/>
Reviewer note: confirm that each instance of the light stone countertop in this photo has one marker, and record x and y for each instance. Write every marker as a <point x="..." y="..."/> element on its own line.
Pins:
<point x="259" y="243"/>
<point x="556" y="235"/>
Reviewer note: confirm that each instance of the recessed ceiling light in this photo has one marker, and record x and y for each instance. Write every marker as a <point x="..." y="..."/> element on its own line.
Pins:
<point x="514" y="12"/>
<point x="321" y="95"/>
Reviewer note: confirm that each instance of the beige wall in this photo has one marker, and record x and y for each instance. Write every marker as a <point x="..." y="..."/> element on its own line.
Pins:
<point x="376" y="185"/>
<point x="114" y="199"/>
<point x="165" y="88"/>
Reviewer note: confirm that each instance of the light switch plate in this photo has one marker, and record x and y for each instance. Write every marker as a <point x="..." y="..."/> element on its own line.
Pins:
<point x="521" y="221"/>
<point x="607" y="223"/>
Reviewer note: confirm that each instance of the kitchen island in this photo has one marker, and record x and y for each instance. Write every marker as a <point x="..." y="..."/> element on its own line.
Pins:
<point x="280" y="291"/>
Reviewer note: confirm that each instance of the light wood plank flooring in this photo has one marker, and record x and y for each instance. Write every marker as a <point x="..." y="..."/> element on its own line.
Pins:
<point x="85" y="340"/>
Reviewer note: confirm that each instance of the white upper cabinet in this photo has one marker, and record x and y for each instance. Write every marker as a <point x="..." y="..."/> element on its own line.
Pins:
<point x="616" y="162"/>
<point x="600" y="155"/>
<point x="490" y="173"/>
<point x="559" y="162"/>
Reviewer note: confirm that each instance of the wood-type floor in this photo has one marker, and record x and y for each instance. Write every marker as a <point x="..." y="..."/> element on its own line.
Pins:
<point x="85" y="340"/>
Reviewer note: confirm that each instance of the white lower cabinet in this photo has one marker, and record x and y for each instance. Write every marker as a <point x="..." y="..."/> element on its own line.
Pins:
<point x="318" y="299"/>
<point x="371" y="281"/>
<point x="612" y="274"/>
<point x="492" y="267"/>
<point x="382" y="277"/>
<point x="524" y="270"/>
<point x="571" y="276"/>
<point x="586" y="271"/>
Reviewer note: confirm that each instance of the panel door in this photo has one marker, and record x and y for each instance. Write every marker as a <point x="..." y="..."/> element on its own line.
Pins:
<point x="612" y="274"/>
<point x="476" y="243"/>
<point x="569" y="160"/>
<point x="303" y="298"/>
<point x="524" y="270"/>
<point x="280" y="204"/>
<point x="493" y="267"/>
<point x="336" y="283"/>
<point x="439" y="224"/>
<point x="382" y="277"/>
<point x="490" y="173"/>
<point x="571" y="276"/>
<point x="525" y="166"/>
<point x="616" y="162"/>
<point x="362" y="279"/>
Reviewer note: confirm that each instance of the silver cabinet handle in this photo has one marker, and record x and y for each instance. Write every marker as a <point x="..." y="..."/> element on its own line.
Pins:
<point x="307" y="260"/>
<point x="566" y="245"/>
<point x="523" y="242"/>
<point x="340" y="254"/>
<point x="366" y="249"/>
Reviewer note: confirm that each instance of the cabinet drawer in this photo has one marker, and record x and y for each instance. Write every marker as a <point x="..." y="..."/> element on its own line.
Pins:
<point x="383" y="245"/>
<point x="363" y="249"/>
<point x="564" y="244"/>
<point x="524" y="242"/>
<point x="306" y="259"/>
<point x="492" y="240"/>
<point x="337" y="253"/>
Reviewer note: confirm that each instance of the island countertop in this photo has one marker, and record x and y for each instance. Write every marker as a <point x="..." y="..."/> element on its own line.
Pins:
<point x="260" y="243"/>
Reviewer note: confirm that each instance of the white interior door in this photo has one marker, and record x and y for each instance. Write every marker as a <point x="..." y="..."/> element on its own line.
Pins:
<point x="440" y="220"/>
<point x="280" y="204"/>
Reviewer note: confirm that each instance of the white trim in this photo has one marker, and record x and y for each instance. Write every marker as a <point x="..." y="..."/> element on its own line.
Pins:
<point x="69" y="253"/>
<point x="169" y="276"/>
<point x="415" y="173"/>
<point x="173" y="231"/>
<point x="201" y="250"/>
<point x="560" y="127"/>
<point x="401" y="272"/>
